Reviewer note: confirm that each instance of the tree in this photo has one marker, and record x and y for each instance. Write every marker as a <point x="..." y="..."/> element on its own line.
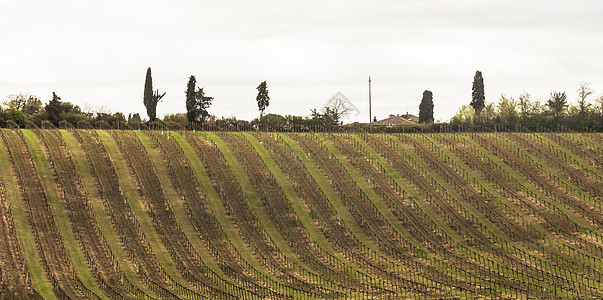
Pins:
<point x="525" y="104"/>
<point x="196" y="101"/>
<point x="584" y="91"/>
<point x="53" y="108"/>
<point x="324" y="120"/>
<point x="557" y="103"/>
<point x="28" y="104"/>
<point x="191" y="99"/>
<point x="14" y="115"/>
<point x="338" y="107"/>
<point x="465" y="115"/>
<point x="599" y="107"/>
<point x="478" y="97"/>
<point x="507" y="111"/>
<point x="262" y="98"/>
<point x="151" y="98"/>
<point x="426" y="108"/>
<point x="487" y="116"/>
<point x="32" y="105"/>
<point x="134" y="121"/>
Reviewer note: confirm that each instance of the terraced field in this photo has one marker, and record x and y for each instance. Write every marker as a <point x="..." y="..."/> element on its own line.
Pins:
<point x="213" y="215"/>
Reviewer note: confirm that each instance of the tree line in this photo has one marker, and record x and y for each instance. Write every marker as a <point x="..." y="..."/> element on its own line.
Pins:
<point x="527" y="113"/>
<point x="507" y="114"/>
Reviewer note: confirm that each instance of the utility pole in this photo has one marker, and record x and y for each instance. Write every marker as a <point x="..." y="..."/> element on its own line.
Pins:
<point x="370" y="113"/>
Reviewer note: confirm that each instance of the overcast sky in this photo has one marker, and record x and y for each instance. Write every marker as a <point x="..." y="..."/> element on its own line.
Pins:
<point x="97" y="52"/>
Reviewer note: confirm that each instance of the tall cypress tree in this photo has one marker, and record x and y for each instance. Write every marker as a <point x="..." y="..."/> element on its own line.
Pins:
<point x="191" y="97"/>
<point x="478" y="100"/>
<point x="148" y="95"/>
<point x="151" y="98"/>
<point x="262" y="98"/>
<point x="426" y="108"/>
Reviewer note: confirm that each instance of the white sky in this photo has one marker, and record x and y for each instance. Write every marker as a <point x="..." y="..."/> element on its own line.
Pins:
<point x="97" y="52"/>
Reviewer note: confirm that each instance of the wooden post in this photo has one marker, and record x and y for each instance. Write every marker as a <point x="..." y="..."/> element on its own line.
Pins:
<point x="370" y="113"/>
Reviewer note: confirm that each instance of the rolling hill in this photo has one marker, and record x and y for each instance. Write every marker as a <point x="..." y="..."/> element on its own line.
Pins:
<point x="103" y="214"/>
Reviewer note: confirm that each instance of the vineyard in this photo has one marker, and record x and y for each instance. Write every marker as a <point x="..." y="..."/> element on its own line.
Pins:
<point x="114" y="214"/>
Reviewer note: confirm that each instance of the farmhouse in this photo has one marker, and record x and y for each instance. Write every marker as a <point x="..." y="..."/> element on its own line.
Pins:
<point x="398" y="120"/>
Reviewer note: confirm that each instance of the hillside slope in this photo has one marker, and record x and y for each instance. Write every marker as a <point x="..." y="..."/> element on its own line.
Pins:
<point x="216" y="215"/>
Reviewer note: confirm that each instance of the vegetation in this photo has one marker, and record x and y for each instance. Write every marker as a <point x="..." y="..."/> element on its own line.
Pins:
<point x="262" y="98"/>
<point x="478" y="97"/>
<point x="196" y="102"/>
<point x="507" y="114"/>
<point x="557" y="104"/>
<point x="426" y="108"/>
<point x="165" y="214"/>
<point x="151" y="98"/>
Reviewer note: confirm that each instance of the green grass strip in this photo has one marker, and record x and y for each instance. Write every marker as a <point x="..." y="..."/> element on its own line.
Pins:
<point x="365" y="186"/>
<point x="177" y="204"/>
<point x="216" y="205"/>
<point x="549" y="170"/>
<point x="532" y="187"/>
<point x="58" y="211"/>
<point x="341" y="210"/>
<point x="487" y="224"/>
<point x="98" y="209"/>
<point x="22" y="227"/>
<point x="403" y="184"/>
<point x="562" y="146"/>
<point x="254" y="202"/>
<point x="139" y="207"/>
<point x="580" y="161"/>
<point x="331" y="195"/>
<point x="296" y="203"/>
<point x="512" y="209"/>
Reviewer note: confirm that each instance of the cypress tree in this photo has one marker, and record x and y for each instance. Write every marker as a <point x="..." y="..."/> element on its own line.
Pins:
<point x="191" y="97"/>
<point x="478" y="96"/>
<point x="426" y="108"/>
<point x="151" y="98"/>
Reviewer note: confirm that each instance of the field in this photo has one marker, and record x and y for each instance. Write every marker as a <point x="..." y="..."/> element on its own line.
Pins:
<point x="100" y="214"/>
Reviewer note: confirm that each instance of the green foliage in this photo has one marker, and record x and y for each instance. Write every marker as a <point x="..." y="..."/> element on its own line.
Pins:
<point x="15" y="115"/>
<point x="262" y="98"/>
<point x="110" y="118"/>
<point x="557" y="104"/>
<point x="325" y="120"/>
<point x="478" y="96"/>
<point x="134" y="121"/>
<point x="426" y="108"/>
<point x="525" y="104"/>
<point x="584" y="90"/>
<point x="151" y="98"/>
<point x="196" y="102"/>
<point x="148" y="95"/>
<point x="29" y="104"/>
<point x="181" y="119"/>
<point x="465" y="116"/>
<point x="73" y="117"/>
<point x="232" y="123"/>
<point x="508" y="116"/>
<point x="273" y="121"/>
<point x="191" y="97"/>
<point x="53" y="109"/>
